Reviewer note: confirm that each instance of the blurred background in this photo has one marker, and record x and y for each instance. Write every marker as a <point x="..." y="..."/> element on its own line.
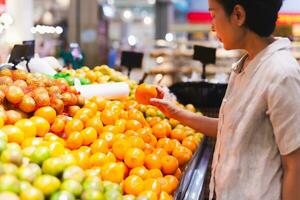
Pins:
<point x="97" y="31"/>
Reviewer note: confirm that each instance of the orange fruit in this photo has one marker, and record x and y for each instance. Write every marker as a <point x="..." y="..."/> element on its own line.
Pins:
<point x="153" y="120"/>
<point x="148" y="148"/>
<point x="73" y="125"/>
<point x="113" y="172"/>
<point x="120" y="125"/>
<point x="109" y="117"/>
<point x="173" y="122"/>
<point x="160" y="152"/>
<point x="150" y="139"/>
<point x="42" y="125"/>
<point x="137" y="115"/>
<point x="27" y="126"/>
<point x="92" y="106"/>
<point x="123" y="114"/>
<point x="131" y="133"/>
<point x="96" y="123"/>
<point x="111" y="157"/>
<point x="110" y="128"/>
<point x="155" y="173"/>
<point x="58" y="126"/>
<point x="189" y="143"/>
<point x="182" y="154"/>
<point x="89" y="135"/>
<point x="100" y="101"/>
<point x="167" y="144"/>
<point x="56" y="149"/>
<point x="178" y="134"/>
<point x="152" y="185"/>
<point x="28" y="142"/>
<point x="85" y="149"/>
<point x="120" y="147"/>
<point x="144" y="131"/>
<point x="75" y="140"/>
<point x="165" y="196"/>
<point x="130" y="104"/>
<point x="136" y="141"/>
<point x="54" y="138"/>
<point x="144" y="93"/>
<point x="119" y="136"/>
<point x="99" y="145"/>
<point x="133" y="185"/>
<point x="172" y="183"/>
<point x="159" y="130"/>
<point x="72" y="110"/>
<point x="109" y="137"/>
<point x="82" y="158"/>
<point x="14" y="134"/>
<point x="134" y="157"/>
<point x="98" y="159"/>
<point x="47" y="113"/>
<point x="133" y="125"/>
<point x="152" y="161"/>
<point x="141" y="172"/>
<point x="178" y="173"/>
<point x="84" y="114"/>
<point x="169" y="164"/>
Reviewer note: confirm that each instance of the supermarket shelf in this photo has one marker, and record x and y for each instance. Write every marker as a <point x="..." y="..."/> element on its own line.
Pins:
<point x="192" y="184"/>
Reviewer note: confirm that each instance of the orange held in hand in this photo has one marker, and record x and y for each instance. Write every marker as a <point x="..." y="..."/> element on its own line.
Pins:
<point x="144" y="93"/>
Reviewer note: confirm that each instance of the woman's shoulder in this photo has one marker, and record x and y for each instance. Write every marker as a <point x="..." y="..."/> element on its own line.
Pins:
<point x="282" y="63"/>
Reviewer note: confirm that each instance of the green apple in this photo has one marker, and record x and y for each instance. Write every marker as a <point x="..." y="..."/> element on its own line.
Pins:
<point x="112" y="186"/>
<point x="9" y="183"/>
<point x="9" y="168"/>
<point x="113" y="195"/>
<point x="40" y="154"/>
<point x="29" y="172"/>
<point x="53" y="166"/>
<point x="62" y="195"/>
<point x="72" y="186"/>
<point x="75" y="173"/>
<point x="93" y="183"/>
<point x="92" y="195"/>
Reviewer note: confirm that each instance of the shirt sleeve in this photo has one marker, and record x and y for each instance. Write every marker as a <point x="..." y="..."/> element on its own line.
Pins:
<point x="284" y="112"/>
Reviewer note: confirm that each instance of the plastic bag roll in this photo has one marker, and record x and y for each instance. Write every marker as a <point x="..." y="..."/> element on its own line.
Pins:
<point x="118" y="90"/>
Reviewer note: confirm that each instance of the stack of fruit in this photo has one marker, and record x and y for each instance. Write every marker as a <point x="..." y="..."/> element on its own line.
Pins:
<point x="22" y="93"/>
<point x="99" y="151"/>
<point x="99" y="74"/>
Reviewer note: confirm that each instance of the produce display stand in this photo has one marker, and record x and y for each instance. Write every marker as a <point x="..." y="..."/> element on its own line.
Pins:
<point x="192" y="183"/>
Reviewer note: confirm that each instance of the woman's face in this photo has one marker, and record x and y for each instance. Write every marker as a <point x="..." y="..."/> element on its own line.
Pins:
<point x="226" y="27"/>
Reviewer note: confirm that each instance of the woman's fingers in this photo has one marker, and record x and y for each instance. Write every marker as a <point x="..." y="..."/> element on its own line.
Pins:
<point x="161" y="102"/>
<point x="160" y="92"/>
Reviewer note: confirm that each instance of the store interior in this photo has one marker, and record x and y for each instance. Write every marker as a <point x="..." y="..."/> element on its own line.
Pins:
<point x="87" y="52"/>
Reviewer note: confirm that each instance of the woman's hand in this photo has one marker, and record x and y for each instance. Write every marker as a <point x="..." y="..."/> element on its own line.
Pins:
<point x="165" y="103"/>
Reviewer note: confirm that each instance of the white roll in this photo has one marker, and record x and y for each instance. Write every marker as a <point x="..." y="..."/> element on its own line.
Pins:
<point x="115" y="91"/>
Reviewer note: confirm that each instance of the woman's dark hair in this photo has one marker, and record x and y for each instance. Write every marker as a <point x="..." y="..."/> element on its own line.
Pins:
<point x="261" y="15"/>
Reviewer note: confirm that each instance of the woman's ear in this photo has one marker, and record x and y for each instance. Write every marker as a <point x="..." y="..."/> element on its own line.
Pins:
<point x="239" y="15"/>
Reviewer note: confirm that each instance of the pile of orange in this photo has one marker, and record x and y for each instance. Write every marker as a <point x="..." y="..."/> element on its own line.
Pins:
<point x="144" y="151"/>
<point x="124" y="142"/>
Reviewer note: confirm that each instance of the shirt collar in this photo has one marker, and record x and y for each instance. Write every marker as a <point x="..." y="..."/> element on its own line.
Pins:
<point x="277" y="45"/>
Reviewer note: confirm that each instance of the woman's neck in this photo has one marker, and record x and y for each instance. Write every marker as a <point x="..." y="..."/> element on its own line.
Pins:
<point x="254" y="44"/>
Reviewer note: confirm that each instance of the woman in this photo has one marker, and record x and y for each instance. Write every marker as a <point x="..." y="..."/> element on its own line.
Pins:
<point x="257" y="153"/>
